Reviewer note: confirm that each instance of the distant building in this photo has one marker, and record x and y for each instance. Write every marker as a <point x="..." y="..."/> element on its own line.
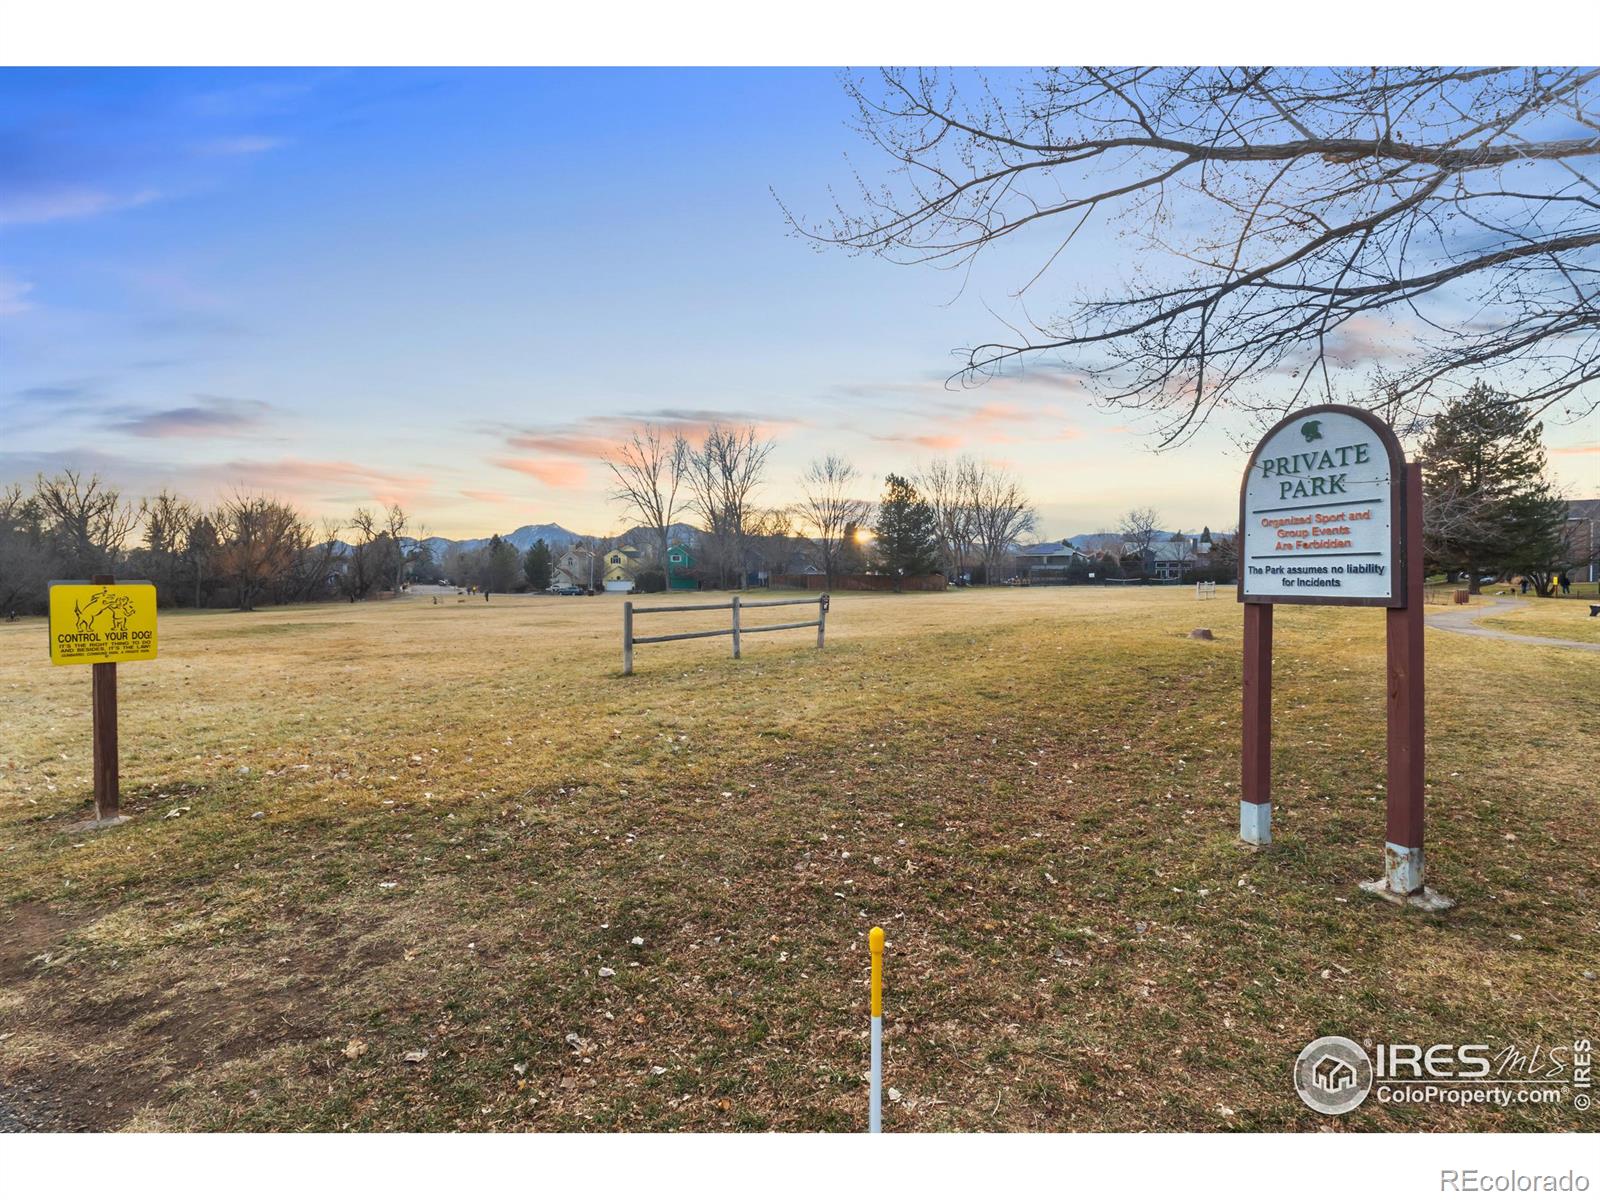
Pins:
<point x="617" y="568"/>
<point x="1583" y="525"/>
<point x="1172" y="557"/>
<point x="1051" y="562"/>
<point x="680" y="568"/>
<point x="575" y="568"/>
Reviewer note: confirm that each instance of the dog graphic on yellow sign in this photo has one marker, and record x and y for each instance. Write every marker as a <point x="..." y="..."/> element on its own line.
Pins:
<point x="104" y="603"/>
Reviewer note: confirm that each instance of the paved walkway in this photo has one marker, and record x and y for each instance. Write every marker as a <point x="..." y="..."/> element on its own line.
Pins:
<point x="1465" y="620"/>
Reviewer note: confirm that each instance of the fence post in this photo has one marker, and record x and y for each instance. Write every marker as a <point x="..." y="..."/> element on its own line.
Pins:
<point x="822" y="617"/>
<point x="736" y="627"/>
<point x="103" y="709"/>
<point x="627" y="637"/>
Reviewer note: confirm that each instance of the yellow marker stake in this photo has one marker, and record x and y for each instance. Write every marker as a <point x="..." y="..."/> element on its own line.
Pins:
<point x="875" y="1117"/>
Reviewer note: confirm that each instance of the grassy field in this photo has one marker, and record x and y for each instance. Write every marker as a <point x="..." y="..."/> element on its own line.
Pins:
<point x="405" y="865"/>
<point x="1556" y="617"/>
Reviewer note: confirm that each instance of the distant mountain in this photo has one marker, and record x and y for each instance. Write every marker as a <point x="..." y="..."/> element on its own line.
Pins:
<point x="642" y="536"/>
<point x="1113" y="540"/>
<point x="557" y="537"/>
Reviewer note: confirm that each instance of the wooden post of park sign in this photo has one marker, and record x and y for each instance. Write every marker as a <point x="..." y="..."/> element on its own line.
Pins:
<point x="1331" y="513"/>
<point x="102" y="623"/>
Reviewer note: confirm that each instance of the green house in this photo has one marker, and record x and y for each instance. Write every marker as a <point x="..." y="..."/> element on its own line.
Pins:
<point x="680" y="568"/>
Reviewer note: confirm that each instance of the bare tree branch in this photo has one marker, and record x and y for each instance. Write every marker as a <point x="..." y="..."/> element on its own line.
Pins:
<point x="1286" y="217"/>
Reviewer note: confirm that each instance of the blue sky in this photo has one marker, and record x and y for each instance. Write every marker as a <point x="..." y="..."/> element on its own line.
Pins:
<point x="451" y="288"/>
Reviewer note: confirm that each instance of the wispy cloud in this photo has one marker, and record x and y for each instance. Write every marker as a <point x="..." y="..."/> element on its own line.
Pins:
<point x="337" y="482"/>
<point x="928" y="441"/>
<point x="54" y="405"/>
<point x="208" y="416"/>
<point x="14" y="295"/>
<point x="255" y="98"/>
<point x="55" y="393"/>
<point x="1592" y="448"/>
<point x="229" y="147"/>
<point x="552" y="472"/>
<point x="947" y="425"/>
<point x="576" y="442"/>
<point x="1367" y="340"/>
<point x="592" y="437"/>
<point x="317" y="487"/>
<point x="40" y="206"/>
<point x="560" y="456"/>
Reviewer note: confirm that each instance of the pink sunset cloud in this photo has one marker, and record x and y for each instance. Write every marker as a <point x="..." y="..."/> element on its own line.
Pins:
<point x="307" y="480"/>
<point x="995" y="422"/>
<point x="552" y="472"/>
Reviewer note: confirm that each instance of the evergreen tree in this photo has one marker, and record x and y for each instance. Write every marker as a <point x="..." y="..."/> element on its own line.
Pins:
<point x="500" y="566"/>
<point x="852" y="558"/>
<point x="1489" y="508"/>
<point x="908" y="535"/>
<point x="421" y="566"/>
<point x="536" y="566"/>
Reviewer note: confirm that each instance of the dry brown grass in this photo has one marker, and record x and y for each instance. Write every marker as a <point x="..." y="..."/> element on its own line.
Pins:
<point x="1034" y="792"/>
<point x="1555" y="617"/>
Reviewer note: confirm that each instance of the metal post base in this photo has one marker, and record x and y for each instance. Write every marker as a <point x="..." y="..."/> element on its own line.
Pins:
<point x="1402" y="880"/>
<point x="1255" y="823"/>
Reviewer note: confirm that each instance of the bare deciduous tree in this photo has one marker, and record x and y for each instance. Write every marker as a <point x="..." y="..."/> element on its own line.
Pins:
<point x="1001" y="513"/>
<point x="167" y="519"/>
<point x="647" y="471"/>
<point x="261" y="542"/>
<point x="360" y="567"/>
<point x="772" y="539"/>
<point x="723" y="473"/>
<point x="1138" y="529"/>
<point x="25" y="556"/>
<point x="830" y="511"/>
<point x="395" y="523"/>
<point x="200" y="545"/>
<point x="88" y="519"/>
<point x="1288" y="216"/>
<point x="950" y="488"/>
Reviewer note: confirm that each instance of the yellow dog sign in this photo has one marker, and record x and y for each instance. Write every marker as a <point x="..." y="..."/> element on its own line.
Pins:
<point x="102" y="622"/>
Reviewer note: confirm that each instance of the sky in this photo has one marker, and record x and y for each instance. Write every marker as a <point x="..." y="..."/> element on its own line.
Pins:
<point x="454" y="289"/>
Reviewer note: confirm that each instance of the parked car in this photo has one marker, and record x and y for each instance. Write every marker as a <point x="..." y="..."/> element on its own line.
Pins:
<point x="565" y="591"/>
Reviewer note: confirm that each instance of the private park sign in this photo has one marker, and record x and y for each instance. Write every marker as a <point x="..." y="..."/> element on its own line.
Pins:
<point x="1331" y="513"/>
<point x="1321" y="512"/>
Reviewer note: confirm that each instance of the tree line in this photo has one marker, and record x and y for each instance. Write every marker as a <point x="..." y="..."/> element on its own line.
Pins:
<point x="957" y="517"/>
<point x="245" y="550"/>
<point x="1491" y="512"/>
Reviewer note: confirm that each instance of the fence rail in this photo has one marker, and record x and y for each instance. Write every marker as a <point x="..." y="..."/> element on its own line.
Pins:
<point x="736" y="629"/>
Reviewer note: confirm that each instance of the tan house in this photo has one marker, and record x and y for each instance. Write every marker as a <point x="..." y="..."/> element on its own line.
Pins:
<point x="576" y="568"/>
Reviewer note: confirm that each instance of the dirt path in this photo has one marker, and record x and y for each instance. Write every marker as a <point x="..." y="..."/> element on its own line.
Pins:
<point x="1465" y="620"/>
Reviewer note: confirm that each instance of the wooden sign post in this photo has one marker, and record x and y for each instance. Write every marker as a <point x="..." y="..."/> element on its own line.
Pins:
<point x="102" y="623"/>
<point x="1330" y="513"/>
